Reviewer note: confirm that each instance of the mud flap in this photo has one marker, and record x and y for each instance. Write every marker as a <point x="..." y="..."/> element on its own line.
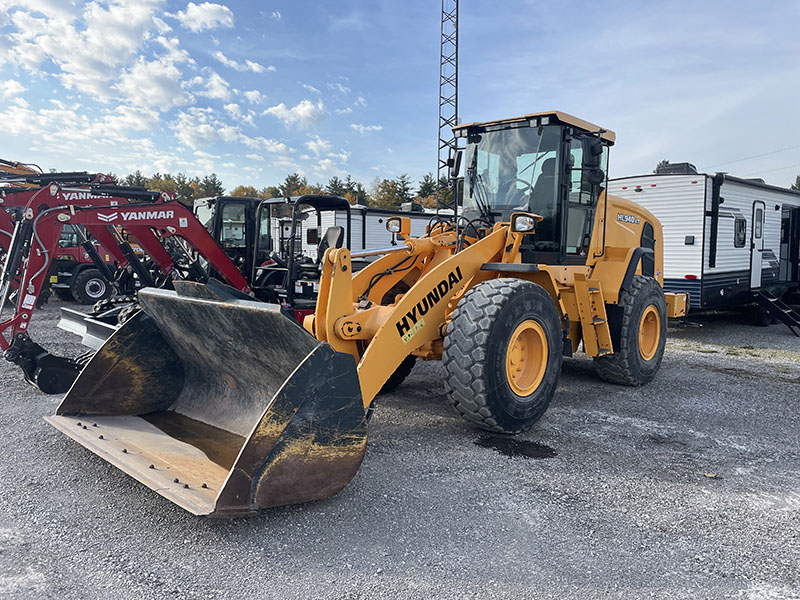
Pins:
<point x="223" y="407"/>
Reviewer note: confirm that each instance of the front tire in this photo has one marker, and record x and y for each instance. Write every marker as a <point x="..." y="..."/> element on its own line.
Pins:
<point x="638" y="325"/>
<point x="90" y="286"/>
<point x="503" y="354"/>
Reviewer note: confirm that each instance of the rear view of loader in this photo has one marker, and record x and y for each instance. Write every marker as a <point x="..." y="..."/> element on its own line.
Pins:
<point x="224" y="406"/>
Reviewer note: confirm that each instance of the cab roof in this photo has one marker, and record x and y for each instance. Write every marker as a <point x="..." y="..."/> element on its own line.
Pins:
<point x="542" y="118"/>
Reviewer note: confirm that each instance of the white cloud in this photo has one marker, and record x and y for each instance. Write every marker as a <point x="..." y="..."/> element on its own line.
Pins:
<point x="276" y="15"/>
<point x="343" y="111"/>
<point x="10" y="88"/>
<point x="155" y="84"/>
<point x="254" y="156"/>
<point x="216" y="87"/>
<point x="318" y="146"/>
<point x="253" y="96"/>
<point x="88" y="55"/>
<point x="360" y="101"/>
<point x="270" y="145"/>
<point x="129" y="118"/>
<point x="247" y="65"/>
<point x="199" y="17"/>
<point x="339" y="88"/>
<point x="233" y="110"/>
<point x="304" y="114"/>
<point x="309" y="88"/>
<point x="362" y="129"/>
<point x="200" y="127"/>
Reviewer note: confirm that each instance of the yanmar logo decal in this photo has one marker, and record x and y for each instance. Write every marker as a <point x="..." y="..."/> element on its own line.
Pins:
<point x="412" y="323"/>
<point x="72" y="196"/>
<point x="628" y="219"/>
<point x="140" y="215"/>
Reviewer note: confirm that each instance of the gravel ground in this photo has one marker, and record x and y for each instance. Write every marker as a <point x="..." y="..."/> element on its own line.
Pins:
<point x="686" y="488"/>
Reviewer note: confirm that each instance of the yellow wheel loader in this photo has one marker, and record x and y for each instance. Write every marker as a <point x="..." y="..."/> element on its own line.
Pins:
<point x="224" y="406"/>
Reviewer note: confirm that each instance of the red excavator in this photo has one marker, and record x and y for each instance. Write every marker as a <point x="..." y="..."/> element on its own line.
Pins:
<point x="176" y="242"/>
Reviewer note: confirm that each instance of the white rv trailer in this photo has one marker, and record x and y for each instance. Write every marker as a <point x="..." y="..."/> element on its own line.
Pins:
<point x="367" y="227"/>
<point x="726" y="240"/>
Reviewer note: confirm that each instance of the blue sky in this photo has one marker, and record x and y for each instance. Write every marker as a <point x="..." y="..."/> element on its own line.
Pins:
<point x="254" y="91"/>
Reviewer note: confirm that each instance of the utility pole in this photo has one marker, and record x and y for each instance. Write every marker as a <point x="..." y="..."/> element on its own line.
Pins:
<point x="448" y="99"/>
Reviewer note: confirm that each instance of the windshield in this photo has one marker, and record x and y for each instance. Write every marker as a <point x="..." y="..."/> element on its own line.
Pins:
<point x="515" y="170"/>
<point x="204" y="210"/>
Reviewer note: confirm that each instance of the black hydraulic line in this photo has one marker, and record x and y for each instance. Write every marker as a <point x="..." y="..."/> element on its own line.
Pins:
<point x="99" y="263"/>
<point x="77" y="177"/>
<point x="20" y="241"/>
<point x="126" y="192"/>
<point x="136" y="265"/>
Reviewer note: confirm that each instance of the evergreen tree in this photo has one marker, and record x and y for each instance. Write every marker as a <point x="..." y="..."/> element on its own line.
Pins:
<point x="445" y="191"/>
<point x="796" y="184"/>
<point x="292" y="184"/>
<point x="427" y="186"/>
<point x="135" y="179"/>
<point x="211" y="186"/>
<point x="388" y="194"/>
<point x="403" y="183"/>
<point x="270" y="192"/>
<point x="183" y="188"/>
<point x="335" y="187"/>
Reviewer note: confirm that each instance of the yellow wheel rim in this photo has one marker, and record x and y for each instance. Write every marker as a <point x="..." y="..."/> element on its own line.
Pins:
<point x="649" y="332"/>
<point x="526" y="358"/>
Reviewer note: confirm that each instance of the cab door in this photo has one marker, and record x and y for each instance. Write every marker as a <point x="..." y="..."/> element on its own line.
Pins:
<point x="756" y="243"/>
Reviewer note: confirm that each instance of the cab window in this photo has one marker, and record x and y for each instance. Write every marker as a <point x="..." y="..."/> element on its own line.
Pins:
<point x="233" y="226"/>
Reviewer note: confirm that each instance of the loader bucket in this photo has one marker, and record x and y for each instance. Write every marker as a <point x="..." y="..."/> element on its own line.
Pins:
<point x="222" y="406"/>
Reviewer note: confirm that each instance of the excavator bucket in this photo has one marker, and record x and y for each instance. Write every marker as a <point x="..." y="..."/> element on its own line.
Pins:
<point x="224" y="406"/>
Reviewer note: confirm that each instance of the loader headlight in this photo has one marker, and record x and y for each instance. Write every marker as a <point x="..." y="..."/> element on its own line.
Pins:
<point x="399" y="226"/>
<point x="523" y="223"/>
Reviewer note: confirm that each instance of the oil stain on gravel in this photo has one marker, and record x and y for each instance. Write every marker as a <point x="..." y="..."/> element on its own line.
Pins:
<point x="514" y="448"/>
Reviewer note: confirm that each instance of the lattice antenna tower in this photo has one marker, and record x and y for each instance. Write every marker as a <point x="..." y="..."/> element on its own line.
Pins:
<point x="448" y="99"/>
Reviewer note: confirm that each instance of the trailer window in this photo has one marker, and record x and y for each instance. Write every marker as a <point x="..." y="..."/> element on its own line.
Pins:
<point x="739" y="232"/>
<point x="758" y="226"/>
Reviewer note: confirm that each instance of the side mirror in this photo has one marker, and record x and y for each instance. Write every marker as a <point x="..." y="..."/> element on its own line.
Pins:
<point x="524" y="222"/>
<point x="592" y="153"/>
<point x="595" y="176"/>
<point x="455" y="164"/>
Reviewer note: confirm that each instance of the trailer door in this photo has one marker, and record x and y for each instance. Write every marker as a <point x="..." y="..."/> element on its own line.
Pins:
<point x="756" y="244"/>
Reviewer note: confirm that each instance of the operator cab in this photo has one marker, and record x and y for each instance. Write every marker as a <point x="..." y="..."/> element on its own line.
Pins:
<point x="231" y="222"/>
<point x="551" y="164"/>
<point x="292" y="278"/>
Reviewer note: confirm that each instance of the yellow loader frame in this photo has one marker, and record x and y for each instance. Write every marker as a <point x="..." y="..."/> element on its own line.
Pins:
<point x="354" y="316"/>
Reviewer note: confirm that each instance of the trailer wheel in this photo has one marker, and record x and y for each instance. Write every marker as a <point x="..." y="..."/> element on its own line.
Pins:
<point x="503" y="354"/>
<point x="89" y="286"/>
<point x="638" y="327"/>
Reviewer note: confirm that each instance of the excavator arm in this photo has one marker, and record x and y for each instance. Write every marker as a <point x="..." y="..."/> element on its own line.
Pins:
<point x="35" y="244"/>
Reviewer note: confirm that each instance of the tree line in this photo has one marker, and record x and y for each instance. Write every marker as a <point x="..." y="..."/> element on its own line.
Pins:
<point x="380" y="193"/>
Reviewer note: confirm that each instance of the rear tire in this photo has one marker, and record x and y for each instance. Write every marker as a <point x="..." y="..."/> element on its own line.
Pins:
<point x="503" y="354"/>
<point x="89" y="286"/>
<point x="638" y="325"/>
<point x="63" y="294"/>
